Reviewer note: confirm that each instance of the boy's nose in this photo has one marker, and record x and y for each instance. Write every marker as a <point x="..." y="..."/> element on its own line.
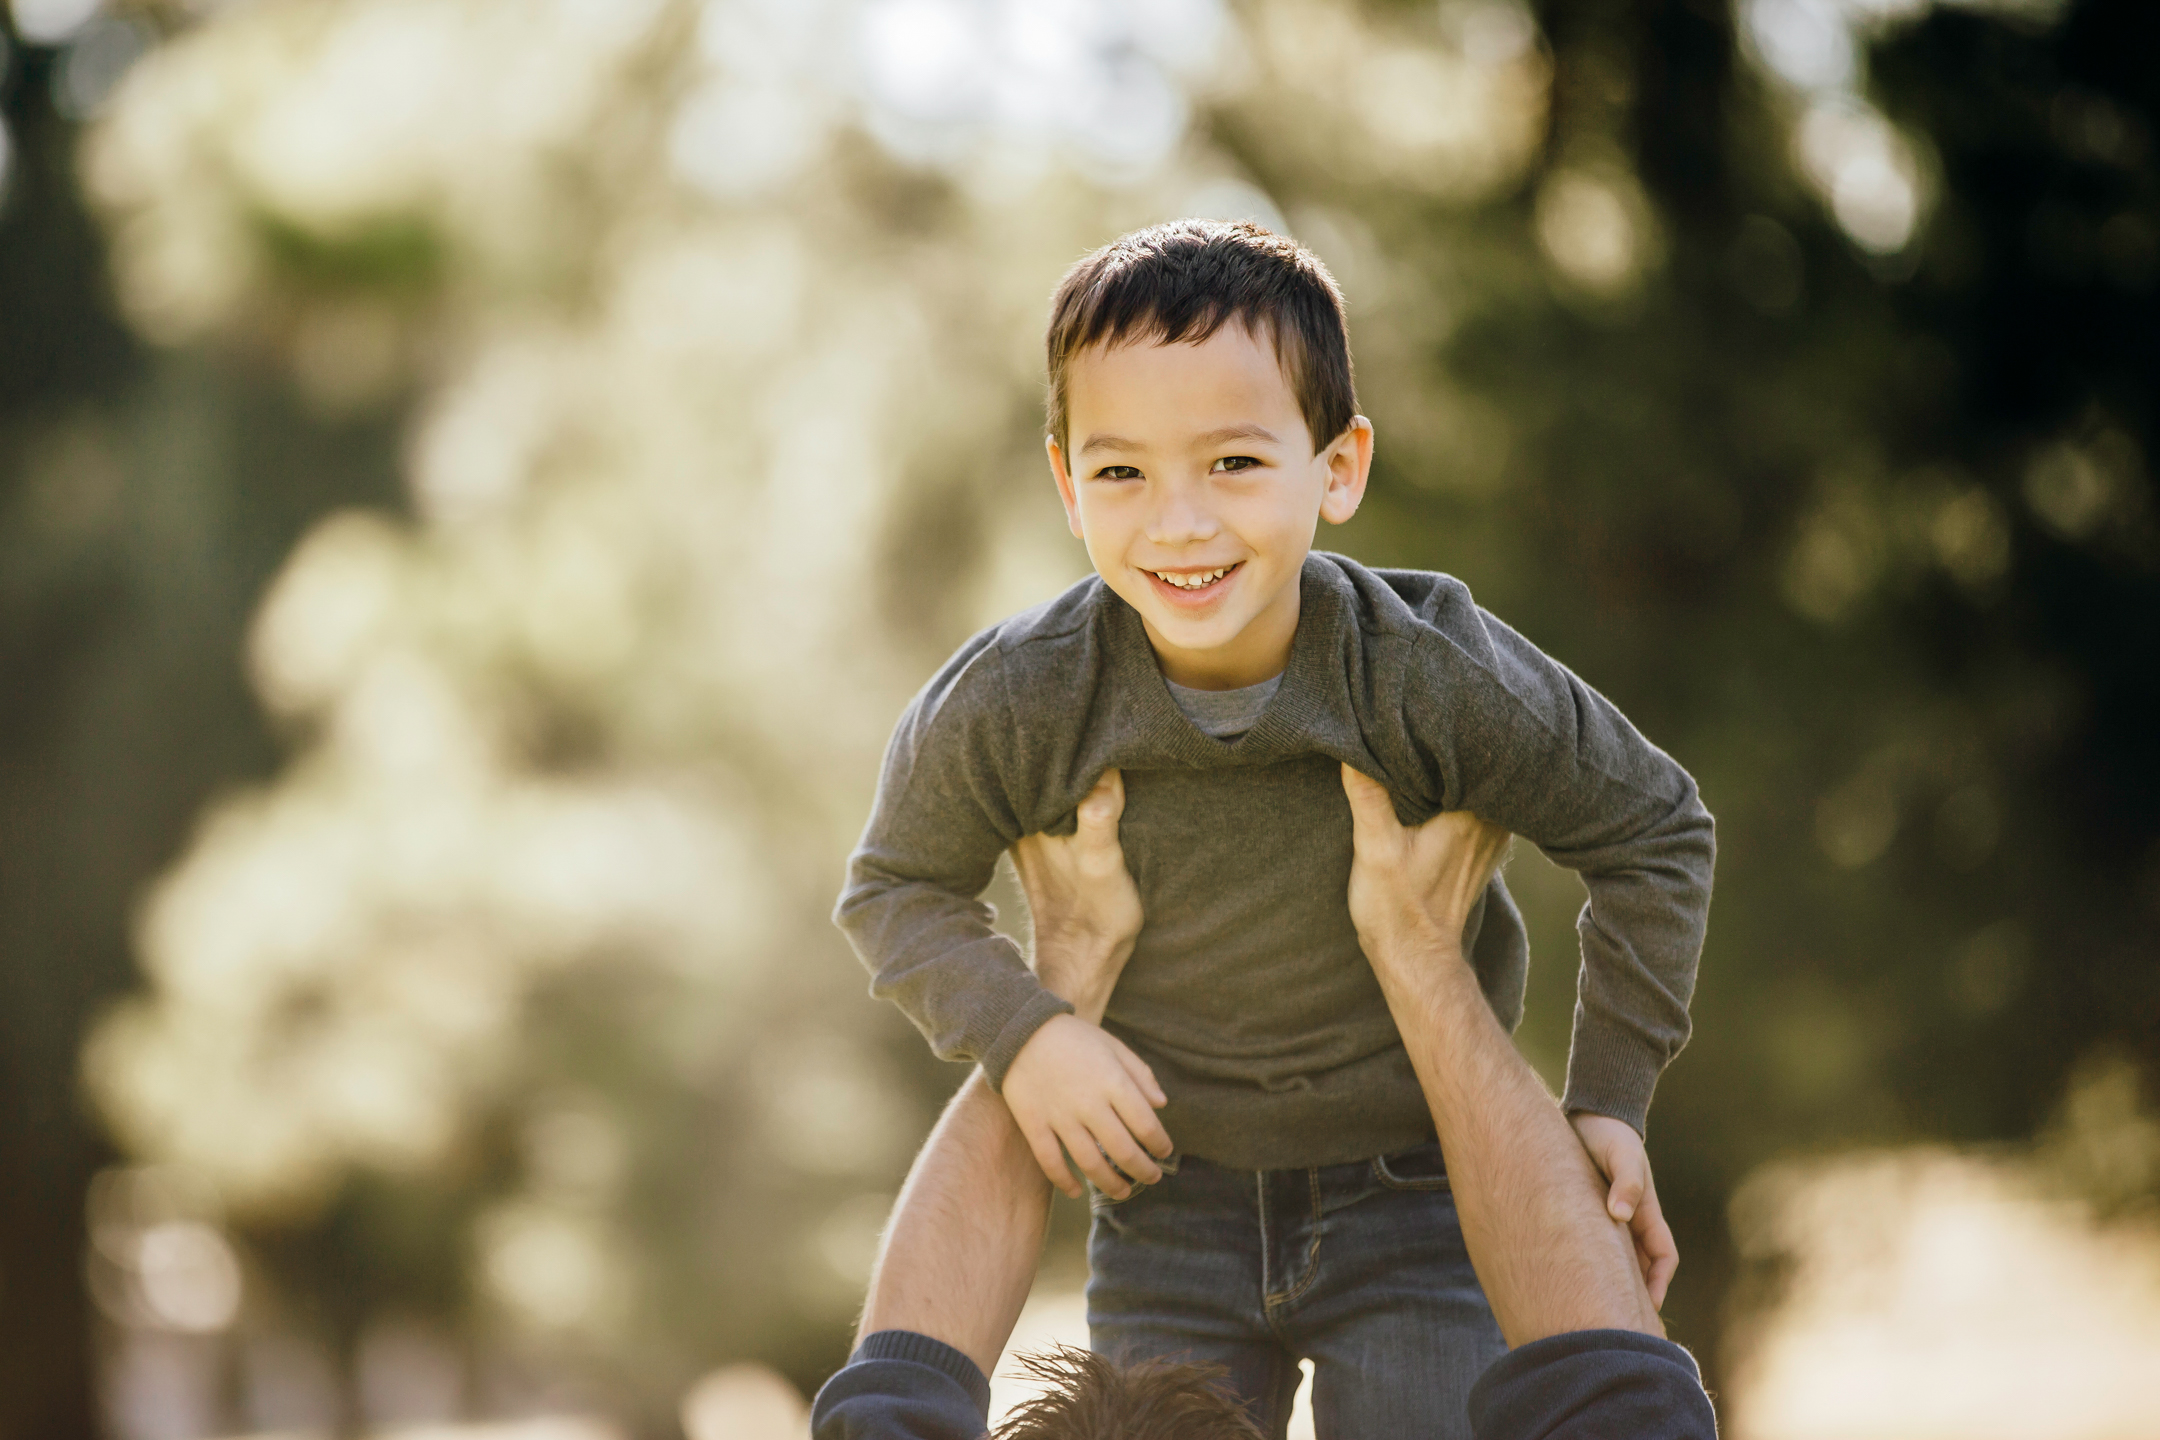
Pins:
<point x="1180" y="518"/>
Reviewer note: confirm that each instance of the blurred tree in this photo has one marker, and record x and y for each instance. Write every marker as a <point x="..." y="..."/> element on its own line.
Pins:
<point x="1848" y="503"/>
<point x="62" y="352"/>
<point x="144" y="501"/>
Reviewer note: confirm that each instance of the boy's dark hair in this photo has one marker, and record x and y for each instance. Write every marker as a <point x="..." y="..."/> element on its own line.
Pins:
<point x="1091" y="1398"/>
<point x="1184" y="281"/>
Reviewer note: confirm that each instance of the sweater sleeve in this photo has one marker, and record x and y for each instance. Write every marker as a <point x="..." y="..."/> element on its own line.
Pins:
<point x="1527" y="745"/>
<point x="903" y="1386"/>
<point x="911" y="908"/>
<point x="1592" y="1385"/>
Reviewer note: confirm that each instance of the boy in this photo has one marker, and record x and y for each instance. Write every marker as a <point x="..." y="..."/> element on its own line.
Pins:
<point x="1202" y="421"/>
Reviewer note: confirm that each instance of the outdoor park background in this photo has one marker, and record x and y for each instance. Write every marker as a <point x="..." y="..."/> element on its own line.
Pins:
<point x="481" y="476"/>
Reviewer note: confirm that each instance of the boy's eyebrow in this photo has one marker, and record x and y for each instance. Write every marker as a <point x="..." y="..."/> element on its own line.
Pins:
<point x="1246" y="431"/>
<point x="1212" y="437"/>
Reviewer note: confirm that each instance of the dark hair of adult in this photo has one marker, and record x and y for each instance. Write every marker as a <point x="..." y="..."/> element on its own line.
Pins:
<point x="1090" y="1398"/>
<point x="1182" y="282"/>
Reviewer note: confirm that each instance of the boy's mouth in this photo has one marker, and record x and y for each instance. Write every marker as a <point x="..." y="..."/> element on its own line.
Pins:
<point x="1192" y="582"/>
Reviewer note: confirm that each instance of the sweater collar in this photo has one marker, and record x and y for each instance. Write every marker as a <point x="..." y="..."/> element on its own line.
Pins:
<point x="1309" y="689"/>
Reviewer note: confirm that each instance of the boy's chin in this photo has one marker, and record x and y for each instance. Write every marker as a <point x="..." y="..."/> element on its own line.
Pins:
<point x="1194" y="635"/>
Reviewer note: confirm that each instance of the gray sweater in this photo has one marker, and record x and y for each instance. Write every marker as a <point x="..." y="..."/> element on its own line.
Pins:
<point x="1247" y="991"/>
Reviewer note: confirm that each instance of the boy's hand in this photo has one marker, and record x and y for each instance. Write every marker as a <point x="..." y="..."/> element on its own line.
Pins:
<point x="1619" y="1153"/>
<point x="1412" y="889"/>
<point x="1077" y="1085"/>
<point x="1073" y="1084"/>
<point x="1082" y="900"/>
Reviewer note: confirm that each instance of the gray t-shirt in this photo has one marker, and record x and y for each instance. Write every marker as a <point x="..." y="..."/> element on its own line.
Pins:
<point x="1224" y="714"/>
<point x="1247" y="991"/>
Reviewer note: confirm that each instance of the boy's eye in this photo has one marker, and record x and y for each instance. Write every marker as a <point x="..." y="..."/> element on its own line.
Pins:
<point x="1117" y="472"/>
<point x="1232" y="463"/>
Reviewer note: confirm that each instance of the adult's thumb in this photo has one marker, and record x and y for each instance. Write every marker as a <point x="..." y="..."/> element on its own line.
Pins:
<point x="1369" y="802"/>
<point x="1101" y="807"/>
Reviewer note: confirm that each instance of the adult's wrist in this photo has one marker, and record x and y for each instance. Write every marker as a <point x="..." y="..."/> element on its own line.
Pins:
<point x="1081" y="970"/>
<point x="1415" y="947"/>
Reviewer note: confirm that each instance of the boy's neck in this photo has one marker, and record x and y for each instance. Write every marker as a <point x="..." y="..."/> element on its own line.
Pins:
<point x="1258" y="653"/>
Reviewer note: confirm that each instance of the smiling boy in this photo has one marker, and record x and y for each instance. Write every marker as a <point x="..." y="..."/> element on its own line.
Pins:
<point x="1202" y="422"/>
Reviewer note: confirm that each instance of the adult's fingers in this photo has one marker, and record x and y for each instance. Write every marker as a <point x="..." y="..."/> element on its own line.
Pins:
<point x="1492" y="844"/>
<point x="1043" y="1141"/>
<point x="1103" y="804"/>
<point x="1370" y="809"/>
<point x="1107" y="799"/>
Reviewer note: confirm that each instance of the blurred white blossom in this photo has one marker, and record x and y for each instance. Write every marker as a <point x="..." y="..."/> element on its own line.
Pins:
<point x="703" y="318"/>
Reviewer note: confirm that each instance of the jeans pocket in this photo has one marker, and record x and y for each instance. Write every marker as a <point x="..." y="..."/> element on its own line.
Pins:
<point x="1421" y="1167"/>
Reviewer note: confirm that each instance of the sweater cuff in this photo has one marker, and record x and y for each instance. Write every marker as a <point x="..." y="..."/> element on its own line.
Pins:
<point x="1610" y="1072"/>
<point x="1593" y="1383"/>
<point x="922" y="1350"/>
<point x="1040" y="1008"/>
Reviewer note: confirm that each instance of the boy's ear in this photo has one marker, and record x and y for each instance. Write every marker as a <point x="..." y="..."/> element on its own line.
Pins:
<point x="1349" y="465"/>
<point x="1066" y="493"/>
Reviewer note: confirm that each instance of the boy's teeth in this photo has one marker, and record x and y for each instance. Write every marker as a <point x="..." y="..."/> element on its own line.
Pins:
<point x="1193" y="582"/>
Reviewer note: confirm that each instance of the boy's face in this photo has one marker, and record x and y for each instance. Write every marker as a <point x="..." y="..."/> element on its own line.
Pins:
<point x="1195" y="484"/>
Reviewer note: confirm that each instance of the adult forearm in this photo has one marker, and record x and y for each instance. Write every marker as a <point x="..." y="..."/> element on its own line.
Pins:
<point x="1532" y="1204"/>
<point x="1081" y="969"/>
<point x="959" y="1253"/>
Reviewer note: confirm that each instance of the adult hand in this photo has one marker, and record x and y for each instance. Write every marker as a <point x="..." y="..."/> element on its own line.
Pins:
<point x="1632" y="1200"/>
<point x="1075" y="1084"/>
<point x="1082" y="900"/>
<point x="1412" y="887"/>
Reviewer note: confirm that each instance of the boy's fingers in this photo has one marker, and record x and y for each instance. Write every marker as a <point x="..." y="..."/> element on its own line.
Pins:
<point x="1659" y="1279"/>
<point x="1138" y="1121"/>
<point x="1112" y="1134"/>
<point x="1142" y="1122"/>
<point x="1654" y="1241"/>
<point x="1630" y="1179"/>
<point x="1044" y="1143"/>
<point x="1142" y="1076"/>
<point x="1095" y="1164"/>
<point x="1659" y="1260"/>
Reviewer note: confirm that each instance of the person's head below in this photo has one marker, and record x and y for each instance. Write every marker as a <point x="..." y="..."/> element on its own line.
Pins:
<point x="1202" y="421"/>
<point x="1090" y="1398"/>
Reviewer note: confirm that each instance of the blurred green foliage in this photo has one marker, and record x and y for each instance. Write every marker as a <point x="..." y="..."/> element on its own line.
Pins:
<point x="1806" y="413"/>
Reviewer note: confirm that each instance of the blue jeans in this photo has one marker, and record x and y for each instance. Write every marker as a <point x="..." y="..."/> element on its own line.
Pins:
<point x="1359" y="1268"/>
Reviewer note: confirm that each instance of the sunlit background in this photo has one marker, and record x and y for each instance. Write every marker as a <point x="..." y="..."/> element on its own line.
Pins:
<point x="482" y="476"/>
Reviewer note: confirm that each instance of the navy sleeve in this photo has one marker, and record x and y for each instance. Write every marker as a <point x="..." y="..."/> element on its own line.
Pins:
<point x="902" y="1386"/>
<point x="1593" y="1385"/>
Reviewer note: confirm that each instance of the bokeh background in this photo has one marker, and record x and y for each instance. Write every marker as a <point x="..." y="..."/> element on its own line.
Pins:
<point x="478" y="478"/>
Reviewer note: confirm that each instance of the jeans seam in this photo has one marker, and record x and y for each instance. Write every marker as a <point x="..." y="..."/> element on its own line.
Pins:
<point x="1312" y="1254"/>
<point x="1387" y="1177"/>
